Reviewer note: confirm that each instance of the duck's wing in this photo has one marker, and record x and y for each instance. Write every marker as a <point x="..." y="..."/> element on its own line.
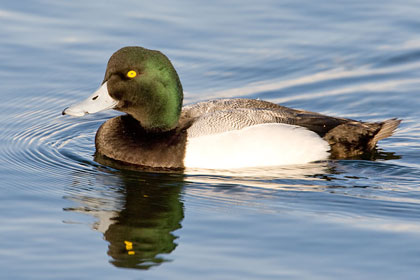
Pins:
<point x="223" y="115"/>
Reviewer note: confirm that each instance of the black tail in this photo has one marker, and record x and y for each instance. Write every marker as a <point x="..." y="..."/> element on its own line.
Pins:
<point x="355" y="138"/>
<point x="387" y="128"/>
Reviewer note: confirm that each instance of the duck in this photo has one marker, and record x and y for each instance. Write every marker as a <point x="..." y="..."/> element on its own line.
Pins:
<point x="156" y="131"/>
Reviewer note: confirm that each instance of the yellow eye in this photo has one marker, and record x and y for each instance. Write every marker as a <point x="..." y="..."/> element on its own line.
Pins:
<point x="131" y="74"/>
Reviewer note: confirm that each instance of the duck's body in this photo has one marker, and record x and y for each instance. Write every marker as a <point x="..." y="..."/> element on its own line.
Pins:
<point x="235" y="133"/>
<point x="226" y="133"/>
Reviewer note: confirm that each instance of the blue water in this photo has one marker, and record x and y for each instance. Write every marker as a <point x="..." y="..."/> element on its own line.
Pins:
<point x="65" y="216"/>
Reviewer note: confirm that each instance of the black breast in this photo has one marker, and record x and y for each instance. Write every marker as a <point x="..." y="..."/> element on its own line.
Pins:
<point x="124" y="139"/>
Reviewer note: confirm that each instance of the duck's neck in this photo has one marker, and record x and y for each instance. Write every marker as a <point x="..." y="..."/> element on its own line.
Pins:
<point x="160" y="112"/>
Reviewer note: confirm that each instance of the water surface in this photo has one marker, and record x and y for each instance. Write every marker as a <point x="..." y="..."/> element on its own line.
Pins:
<point x="66" y="216"/>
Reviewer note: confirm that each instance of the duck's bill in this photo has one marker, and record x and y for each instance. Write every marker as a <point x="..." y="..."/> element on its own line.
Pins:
<point x="100" y="100"/>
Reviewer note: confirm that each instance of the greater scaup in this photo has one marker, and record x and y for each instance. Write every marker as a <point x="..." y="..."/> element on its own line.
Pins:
<point x="226" y="133"/>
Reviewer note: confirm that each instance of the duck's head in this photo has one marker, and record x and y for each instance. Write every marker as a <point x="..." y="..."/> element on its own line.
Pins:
<point x="140" y="82"/>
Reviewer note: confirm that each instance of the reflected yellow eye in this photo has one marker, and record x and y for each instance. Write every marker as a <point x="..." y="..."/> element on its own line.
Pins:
<point x="131" y="74"/>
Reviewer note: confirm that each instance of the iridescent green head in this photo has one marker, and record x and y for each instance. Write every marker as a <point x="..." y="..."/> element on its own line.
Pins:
<point x="142" y="83"/>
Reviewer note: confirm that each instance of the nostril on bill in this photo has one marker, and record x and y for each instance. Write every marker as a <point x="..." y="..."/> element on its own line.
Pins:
<point x="94" y="98"/>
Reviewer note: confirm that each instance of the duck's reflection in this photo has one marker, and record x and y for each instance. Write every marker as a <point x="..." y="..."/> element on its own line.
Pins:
<point x="143" y="230"/>
<point x="137" y="214"/>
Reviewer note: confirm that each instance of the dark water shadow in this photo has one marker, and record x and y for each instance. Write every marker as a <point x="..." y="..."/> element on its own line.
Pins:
<point x="137" y="212"/>
<point x="375" y="155"/>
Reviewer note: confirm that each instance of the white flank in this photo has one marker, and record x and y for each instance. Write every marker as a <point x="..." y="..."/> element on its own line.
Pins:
<point x="100" y="100"/>
<point x="269" y="144"/>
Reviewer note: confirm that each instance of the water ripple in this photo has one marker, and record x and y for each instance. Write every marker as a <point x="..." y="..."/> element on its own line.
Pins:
<point x="41" y="140"/>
